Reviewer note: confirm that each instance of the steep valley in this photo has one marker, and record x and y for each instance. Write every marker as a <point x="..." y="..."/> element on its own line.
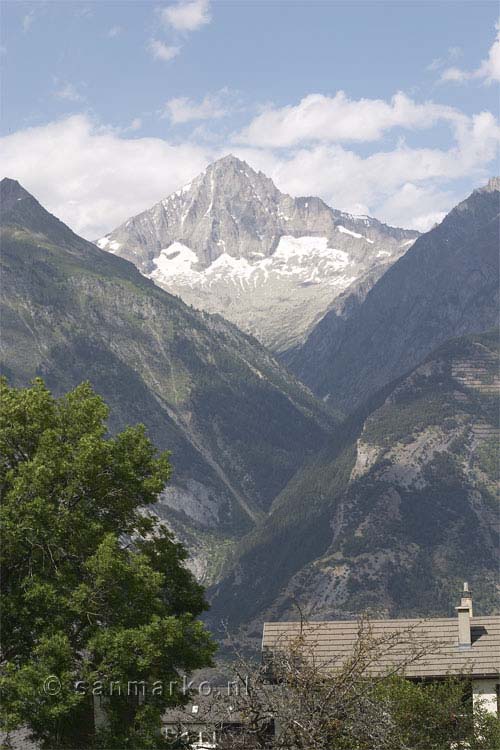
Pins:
<point x="237" y="423"/>
<point x="280" y="499"/>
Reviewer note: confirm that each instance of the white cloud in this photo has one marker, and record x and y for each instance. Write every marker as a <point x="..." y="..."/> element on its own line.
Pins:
<point x="490" y="68"/>
<point x="136" y="124"/>
<point x="454" y="74"/>
<point x="132" y="127"/>
<point x="187" y="15"/>
<point x="28" y="20"/>
<point x="182" y="17"/>
<point x="115" y="31"/>
<point x="181" y="109"/>
<point x="85" y="12"/>
<point x="67" y="91"/>
<point x="340" y="119"/>
<point x="95" y="177"/>
<point x="90" y="176"/>
<point x="426" y="206"/>
<point x="370" y="184"/>
<point x="404" y="185"/>
<point x="162" y="51"/>
<point x="451" y="56"/>
<point x="488" y="71"/>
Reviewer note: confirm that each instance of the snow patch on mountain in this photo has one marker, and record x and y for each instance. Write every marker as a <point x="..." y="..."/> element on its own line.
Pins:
<point x="110" y="245"/>
<point x="358" y="236"/>
<point x="303" y="259"/>
<point x="176" y="262"/>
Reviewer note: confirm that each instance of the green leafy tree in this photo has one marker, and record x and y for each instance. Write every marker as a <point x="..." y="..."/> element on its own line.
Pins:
<point x="435" y="715"/>
<point x="96" y="596"/>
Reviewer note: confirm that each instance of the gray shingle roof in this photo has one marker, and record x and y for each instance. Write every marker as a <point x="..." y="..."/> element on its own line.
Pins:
<point x="332" y="642"/>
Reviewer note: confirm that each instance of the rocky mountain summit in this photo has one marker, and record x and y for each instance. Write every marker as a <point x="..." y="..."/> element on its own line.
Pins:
<point x="231" y="242"/>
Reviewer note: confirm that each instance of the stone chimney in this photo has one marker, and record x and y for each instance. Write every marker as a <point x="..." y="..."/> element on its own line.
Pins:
<point x="464" y="617"/>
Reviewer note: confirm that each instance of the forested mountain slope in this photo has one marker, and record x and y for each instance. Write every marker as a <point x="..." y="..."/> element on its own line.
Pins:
<point x="394" y="513"/>
<point x="237" y="423"/>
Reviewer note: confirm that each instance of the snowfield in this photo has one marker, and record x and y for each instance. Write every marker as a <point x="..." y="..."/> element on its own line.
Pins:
<point x="301" y="259"/>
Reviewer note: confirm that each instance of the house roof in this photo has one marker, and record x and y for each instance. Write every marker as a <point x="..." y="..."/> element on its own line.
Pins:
<point x="330" y="643"/>
<point x="217" y="708"/>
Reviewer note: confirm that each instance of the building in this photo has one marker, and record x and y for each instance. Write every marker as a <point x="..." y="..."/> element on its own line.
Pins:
<point x="419" y="649"/>
<point x="211" y="720"/>
<point x="461" y="645"/>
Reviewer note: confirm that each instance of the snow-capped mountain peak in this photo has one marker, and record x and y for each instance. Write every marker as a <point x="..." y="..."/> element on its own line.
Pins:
<point x="230" y="242"/>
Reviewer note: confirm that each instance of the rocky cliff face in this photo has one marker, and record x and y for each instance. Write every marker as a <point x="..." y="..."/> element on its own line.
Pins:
<point x="238" y="424"/>
<point x="391" y="518"/>
<point x="445" y="285"/>
<point x="231" y="242"/>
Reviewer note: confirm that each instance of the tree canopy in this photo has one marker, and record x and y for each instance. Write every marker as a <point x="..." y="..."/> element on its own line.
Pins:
<point x="96" y="595"/>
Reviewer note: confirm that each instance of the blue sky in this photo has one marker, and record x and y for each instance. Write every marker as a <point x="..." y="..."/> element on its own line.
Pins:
<point x="387" y="108"/>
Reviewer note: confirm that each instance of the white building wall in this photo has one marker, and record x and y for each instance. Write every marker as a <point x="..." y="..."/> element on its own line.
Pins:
<point x="485" y="693"/>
